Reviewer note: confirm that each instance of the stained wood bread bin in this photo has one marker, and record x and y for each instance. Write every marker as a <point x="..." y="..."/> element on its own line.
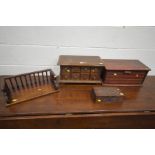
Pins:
<point x="124" y="72"/>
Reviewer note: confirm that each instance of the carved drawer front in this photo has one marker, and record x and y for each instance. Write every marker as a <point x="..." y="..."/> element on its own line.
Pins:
<point x="112" y="99"/>
<point x="95" y="77"/>
<point x="123" y="81"/>
<point x="126" y="74"/>
<point x="85" y="69"/>
<point x="75" y="76"/>
<point x="84" y="76"/>
<point x="95" y="70"/>
<point x="65" y="69"/>
<point x="75" y="69"/>
<point x="66" y="76"/>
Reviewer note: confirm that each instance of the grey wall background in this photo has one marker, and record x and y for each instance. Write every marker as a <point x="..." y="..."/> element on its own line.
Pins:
<point x="24" y="49"/>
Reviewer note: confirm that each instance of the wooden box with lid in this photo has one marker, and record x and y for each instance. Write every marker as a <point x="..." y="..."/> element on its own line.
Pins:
<point x="80" y="69"/>
<point x="107" y="95"/>
<point x="124" y="72"/>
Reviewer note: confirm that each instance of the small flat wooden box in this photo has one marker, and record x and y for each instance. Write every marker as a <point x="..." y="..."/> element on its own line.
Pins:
<point x="124" y="72"/>
<point x="107" y="95"/>
<point x="80" y="69"/>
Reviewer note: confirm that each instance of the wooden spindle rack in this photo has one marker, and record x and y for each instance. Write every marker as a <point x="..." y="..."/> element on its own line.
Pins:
<point x="28" y="86"/>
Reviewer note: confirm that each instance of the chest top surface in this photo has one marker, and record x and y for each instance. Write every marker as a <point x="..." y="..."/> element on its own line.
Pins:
<point x="71" y="60"/>
<point x="122" y="64"/>
<point x="107" y="91"/>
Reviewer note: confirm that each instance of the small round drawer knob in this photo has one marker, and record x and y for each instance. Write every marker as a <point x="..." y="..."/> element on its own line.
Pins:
<point x="115" y="74"/>
<point x="137" y="75"/>
<point x="68" y="70"/>
<point x="14" y="100"/>
<point x="98" y="100"/>
<point x="121" y="94"/>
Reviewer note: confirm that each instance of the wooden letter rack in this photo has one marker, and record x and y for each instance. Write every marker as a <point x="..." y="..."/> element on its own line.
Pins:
<point x="28" y="86"/>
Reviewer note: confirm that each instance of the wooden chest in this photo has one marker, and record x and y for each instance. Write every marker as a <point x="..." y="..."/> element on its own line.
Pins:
<point x="80" y="69"/>
<point x="124" y="72"/>
<point x="107" y="95"/>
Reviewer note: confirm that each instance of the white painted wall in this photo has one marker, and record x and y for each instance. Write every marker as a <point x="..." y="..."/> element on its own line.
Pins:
<point x="24" y="49"/>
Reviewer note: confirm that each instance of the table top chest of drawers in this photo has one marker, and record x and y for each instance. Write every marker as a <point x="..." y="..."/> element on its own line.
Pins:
<point x="80" y="69"/>
<point x="124" y="72"/>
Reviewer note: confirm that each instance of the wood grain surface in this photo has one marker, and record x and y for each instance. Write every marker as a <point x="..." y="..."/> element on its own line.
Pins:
<point x="73" y="107"/>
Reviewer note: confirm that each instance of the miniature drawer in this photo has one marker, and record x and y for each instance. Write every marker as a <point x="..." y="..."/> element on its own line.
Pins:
<point x="125" y="77"/>
<point x="75" y="69"/>
<point x="126" y="74"/>
<point x="95" y="70"/>
<point x="65" y="69"/>
<point x="85" y="69"/>
<point x="75" y="76"/>
<point x="124" y="81"/>
<point x="85" y="76"/>
<point x="112" y="99"/>
<point x="95" y="77"/>
<point x="66" y="76"/>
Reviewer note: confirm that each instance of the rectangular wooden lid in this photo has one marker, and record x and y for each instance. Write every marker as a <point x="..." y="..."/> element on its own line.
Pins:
<point x="80" y="60"/>
<point x="107" y="91"/>
<point x="122" y="64"/>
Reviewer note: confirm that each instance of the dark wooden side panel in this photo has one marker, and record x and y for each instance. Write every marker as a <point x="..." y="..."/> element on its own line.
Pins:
<point x="81" y="121"/>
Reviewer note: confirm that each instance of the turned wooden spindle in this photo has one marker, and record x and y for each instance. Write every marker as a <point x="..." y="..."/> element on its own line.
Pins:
<point x="17" y="83"/>
<point x="53" y="80"/>
<point x="52" y="75"/>
<point x="30" y="78"/>
<point x="39" y="78"/>
<point x="21" y="80"/>
<point x="43" y="77"/>
<point x="7" y="92"/>
<point x="6" y="87"/>
<point x="26" y="80"/>
<point x="35" y="79"/>
<point x="46" y="75"/>
<point x="55" y="84"/>
<point x="10" y="79"/>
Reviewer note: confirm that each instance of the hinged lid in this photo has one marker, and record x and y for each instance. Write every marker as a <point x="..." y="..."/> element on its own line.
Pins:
<point x="80" y="60"/>
<point x="122" y="64"/>
<point x="107" y="91"/>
